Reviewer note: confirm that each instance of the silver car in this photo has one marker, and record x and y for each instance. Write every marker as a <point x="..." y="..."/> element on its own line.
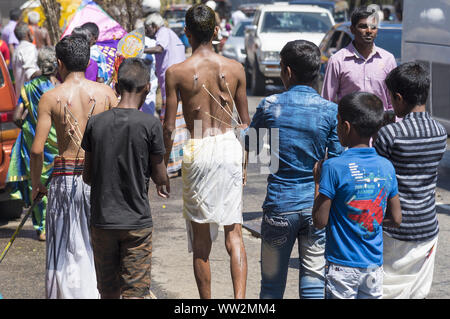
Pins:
<point x="234" y="47"/>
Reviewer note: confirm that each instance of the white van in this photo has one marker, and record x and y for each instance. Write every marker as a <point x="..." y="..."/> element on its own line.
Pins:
<point x="426" y="39"/>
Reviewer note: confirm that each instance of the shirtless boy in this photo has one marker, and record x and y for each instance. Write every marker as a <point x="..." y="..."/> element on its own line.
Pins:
<point x="212" y="159"/>
<point x="70" y="271"/>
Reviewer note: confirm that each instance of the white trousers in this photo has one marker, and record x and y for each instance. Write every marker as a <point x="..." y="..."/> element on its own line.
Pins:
<point x="408" y="268"/>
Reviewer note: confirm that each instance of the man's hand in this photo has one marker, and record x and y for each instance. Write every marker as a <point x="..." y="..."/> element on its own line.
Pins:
<point x="164" y="193"/>
<point x="317" y="171"/>
<point x="38" y="191"/>
<point x="20" y="113"/>
<point x="244" y="168"/>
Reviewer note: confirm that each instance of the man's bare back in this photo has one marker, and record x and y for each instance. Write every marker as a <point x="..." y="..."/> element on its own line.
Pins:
<point x="41" y="36"/>
<point x="69" y="106"/>
<point x="203" y="81"/>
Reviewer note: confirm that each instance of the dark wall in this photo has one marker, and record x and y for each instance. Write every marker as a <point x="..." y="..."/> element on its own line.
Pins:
<point x="5" y="6"/>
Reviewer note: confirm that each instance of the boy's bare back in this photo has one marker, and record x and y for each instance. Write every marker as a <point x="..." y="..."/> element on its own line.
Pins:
<point x="204" y="74"/>
<point x="69" y="105"/>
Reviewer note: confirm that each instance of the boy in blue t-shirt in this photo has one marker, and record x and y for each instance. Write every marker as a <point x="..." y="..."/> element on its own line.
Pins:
<point x="356" y="190"/>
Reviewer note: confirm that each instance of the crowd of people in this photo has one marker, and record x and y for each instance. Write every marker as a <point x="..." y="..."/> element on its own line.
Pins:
<point x="357" y="191"/>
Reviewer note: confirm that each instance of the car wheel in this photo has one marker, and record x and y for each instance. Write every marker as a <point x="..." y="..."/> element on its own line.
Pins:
<point x="11" y="209"/>
<point x="248" y="78"/>
<point x="258" y="86"/>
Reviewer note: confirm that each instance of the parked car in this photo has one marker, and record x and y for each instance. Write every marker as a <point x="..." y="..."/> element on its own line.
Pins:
<point x="175" y="16"/>
<point x="8" y="135"/>
<point x="234" y="47"/>
<point x="273" y="26"/>
<point x="340" y="13"/>
<point x="249" y="9"/>
<point x="389" y="38"/>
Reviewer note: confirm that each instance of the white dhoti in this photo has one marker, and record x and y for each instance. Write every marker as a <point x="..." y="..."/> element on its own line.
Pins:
<point x="70" y="270"/>
<point x="408" y="268"/>
<point x="212" y="182"/>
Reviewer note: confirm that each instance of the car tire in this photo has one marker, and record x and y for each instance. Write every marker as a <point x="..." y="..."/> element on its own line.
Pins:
<point x="258" y="87"/>
<point x="11" y="209"/>
<point x="248" y="76"/>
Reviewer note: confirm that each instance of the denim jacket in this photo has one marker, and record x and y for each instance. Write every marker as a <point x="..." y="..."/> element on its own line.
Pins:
<point x="306" y="125"/>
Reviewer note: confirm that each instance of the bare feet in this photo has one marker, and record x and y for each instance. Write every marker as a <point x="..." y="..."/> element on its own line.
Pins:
<point x="41" y="236"/>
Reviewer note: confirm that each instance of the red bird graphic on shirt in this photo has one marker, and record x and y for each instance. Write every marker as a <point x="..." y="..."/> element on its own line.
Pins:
<point x="370" y="210"/>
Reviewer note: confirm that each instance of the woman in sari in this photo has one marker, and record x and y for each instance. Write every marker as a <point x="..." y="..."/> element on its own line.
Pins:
<point x="19" y="178"/>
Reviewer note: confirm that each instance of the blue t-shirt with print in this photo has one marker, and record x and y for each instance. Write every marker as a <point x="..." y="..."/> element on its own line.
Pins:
<point x="359" y="183"/>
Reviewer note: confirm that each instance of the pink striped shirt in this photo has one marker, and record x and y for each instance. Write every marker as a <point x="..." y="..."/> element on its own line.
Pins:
<point x="348" y="71"/>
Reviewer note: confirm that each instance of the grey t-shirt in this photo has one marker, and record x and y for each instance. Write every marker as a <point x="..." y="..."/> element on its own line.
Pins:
<point x="120" y="142"/>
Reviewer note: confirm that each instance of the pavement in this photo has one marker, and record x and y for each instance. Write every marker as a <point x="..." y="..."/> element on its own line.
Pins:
<point x="22" y="272"/>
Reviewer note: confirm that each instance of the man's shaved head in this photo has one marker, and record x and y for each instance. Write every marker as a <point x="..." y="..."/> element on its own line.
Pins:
<point x="133" y="75"/>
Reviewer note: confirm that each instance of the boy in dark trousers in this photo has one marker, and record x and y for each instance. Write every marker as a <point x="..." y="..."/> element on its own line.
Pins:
<point x="124" y="149"/>
<point x="415" y="146"/>
<point x="356" y="191"/>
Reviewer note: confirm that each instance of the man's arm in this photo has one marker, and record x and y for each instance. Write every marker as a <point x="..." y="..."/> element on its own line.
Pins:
<point x="384" y="141"/>
<point x="390" y="65"/>
<point x="240" y="97"/>
<point x="333" y="144"/>
<point x="156" y="49"/>
<point x="241" y="101"/>
<point x="87" y="168"/>
<point x="171" y="112"/>
<point x="331" y="83"/>
<point x="43" y="127"/>
<point x="30" y="66"/>
<point x="112" y="100"/>
<point x="47" y="41"/>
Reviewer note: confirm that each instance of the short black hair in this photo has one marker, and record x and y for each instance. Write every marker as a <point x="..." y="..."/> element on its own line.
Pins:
<point x="74" y="52"/>
<point x="14" y="14"/>
<point x="303" y="57"/>
<point x="92" y="28"/>
<point x="412" y="81"/>
<point x="201" y="22"/>
<point x="133" y="75"/>
<point x="364" y="111"/>
<point x="82" y="32"/>
<point x="360" y="13"/>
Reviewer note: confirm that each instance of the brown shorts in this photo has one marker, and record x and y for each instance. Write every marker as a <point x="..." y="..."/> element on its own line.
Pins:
<point x="123" y="260"/>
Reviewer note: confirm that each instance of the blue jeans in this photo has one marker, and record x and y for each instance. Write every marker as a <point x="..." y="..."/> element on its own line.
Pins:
<point x="278" y="234"/>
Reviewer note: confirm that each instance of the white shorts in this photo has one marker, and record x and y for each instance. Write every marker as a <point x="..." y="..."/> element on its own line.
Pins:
<point x="408" y="268"/>
<point x="342" y="282"/>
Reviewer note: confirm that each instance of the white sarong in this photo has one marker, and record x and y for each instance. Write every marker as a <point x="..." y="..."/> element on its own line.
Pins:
<point x="408" y="268"/>
<point x="212" y="182"/>
<point x="70" y="271"/>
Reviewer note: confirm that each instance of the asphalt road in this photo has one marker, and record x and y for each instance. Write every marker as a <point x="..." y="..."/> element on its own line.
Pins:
<point x="22" y="273"/>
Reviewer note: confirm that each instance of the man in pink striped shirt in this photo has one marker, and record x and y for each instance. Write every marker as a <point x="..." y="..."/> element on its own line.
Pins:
<point x="361" y="66"/>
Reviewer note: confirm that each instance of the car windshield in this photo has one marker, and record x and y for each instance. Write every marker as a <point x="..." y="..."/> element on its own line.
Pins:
<point x="390" y="40"/>
<point x="239" y="31"/>
<point x="296" y="22"/>
<point x="175" y="15"/>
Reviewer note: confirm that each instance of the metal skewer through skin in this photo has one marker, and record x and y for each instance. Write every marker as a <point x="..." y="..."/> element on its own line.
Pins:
<point x="231" y="116"/>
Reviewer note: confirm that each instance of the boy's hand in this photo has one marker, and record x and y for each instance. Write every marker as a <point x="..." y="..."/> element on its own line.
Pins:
<point x="164" y="193"/>
<point x="317" y="170"/>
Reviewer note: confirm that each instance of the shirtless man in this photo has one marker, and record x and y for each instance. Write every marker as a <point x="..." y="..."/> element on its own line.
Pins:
<point x="40" y="34"/>
<point x="212" y="162"/>
<point x="70" y="271"/>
